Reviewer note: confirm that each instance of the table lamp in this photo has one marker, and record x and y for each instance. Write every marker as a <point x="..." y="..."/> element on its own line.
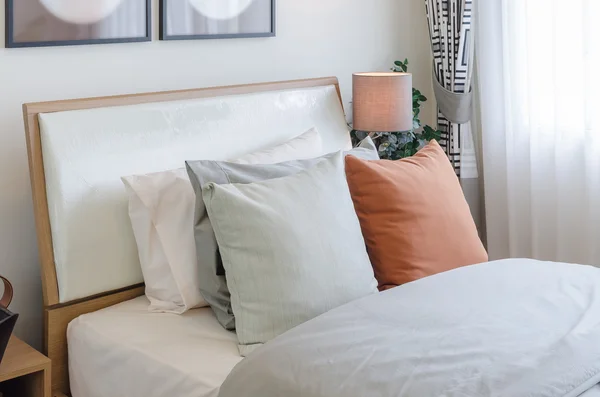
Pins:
<point x="382" y="102"/>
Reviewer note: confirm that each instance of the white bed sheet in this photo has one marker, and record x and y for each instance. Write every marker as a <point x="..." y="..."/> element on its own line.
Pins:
<point x="127" y="351"/>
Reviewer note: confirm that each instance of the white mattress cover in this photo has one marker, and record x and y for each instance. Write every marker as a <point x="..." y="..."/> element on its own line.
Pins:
<point x="127" y="351"/>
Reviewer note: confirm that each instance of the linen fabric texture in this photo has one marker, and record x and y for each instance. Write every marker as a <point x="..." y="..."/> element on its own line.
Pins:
<point x="161" y="210"/>
<point x="292" y="249"/>
<point x="213" y="283"/>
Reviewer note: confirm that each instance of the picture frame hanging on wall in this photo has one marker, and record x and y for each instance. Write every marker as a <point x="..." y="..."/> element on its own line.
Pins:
<point x="43" y="23"/>
<point x="216" y="19"/>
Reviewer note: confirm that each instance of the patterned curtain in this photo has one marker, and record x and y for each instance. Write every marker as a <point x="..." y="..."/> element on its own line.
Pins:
<point x="452" y="45"/>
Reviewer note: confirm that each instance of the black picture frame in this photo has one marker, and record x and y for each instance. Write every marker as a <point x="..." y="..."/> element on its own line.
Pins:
<point x="164" y="36"/>
<point x="10" y="43"/>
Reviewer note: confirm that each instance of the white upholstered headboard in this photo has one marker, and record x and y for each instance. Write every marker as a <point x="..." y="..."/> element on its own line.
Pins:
<point x="86" y="152"/>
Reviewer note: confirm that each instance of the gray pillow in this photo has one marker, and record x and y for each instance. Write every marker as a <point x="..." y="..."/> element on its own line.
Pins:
<point x="213" y="284"/>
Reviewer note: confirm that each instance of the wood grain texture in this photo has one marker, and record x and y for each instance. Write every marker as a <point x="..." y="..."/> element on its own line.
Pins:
<point x="56" y="315"/>
<point x="40" y="208"/>
<point x="36" y="384"/>
<point x="180" y="95"/>
<point x="58" y="318"/>
<point x="47" y="385"/>
<point x="21" y="359"/>
<point x="24" y="371"/>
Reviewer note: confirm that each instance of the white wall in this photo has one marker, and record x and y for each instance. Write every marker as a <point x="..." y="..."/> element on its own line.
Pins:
<point x="314" y="38"/>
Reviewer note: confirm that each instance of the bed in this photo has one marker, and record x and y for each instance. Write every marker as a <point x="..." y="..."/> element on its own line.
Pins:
<point x="508" y="328"/>
<point x="184" y="355"/>
<point x="78" y="151"/>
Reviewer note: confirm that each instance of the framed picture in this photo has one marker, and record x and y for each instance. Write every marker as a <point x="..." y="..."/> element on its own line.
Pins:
<point x="216" y="19"/>
<point x="41" y="23"/>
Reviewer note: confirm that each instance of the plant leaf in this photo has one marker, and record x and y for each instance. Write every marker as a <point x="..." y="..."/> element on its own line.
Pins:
<point x="361" y="135"/>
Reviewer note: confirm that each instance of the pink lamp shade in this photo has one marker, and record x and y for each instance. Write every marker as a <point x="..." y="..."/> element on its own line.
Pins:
<point x="382" y="102"/>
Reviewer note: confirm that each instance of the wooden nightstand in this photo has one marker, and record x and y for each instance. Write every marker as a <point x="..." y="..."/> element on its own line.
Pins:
<point x="24" y="372"/>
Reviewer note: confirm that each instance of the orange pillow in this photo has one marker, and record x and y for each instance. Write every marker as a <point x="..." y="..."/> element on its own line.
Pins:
<point x="414" y="216"/>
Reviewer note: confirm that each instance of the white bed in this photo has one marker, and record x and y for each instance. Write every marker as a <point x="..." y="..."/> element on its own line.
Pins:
<point x="78" y="151"/>
<point x="532" y="328"/>
<point x="126" y="351"/>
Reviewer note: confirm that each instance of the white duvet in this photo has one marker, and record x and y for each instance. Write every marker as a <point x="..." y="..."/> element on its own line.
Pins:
<point x="507" y="328"/>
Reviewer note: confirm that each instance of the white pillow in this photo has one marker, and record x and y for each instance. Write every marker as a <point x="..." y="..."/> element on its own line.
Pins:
<point x="161" y="208"/>
<point x="305" y="146"/>
<point x="292" y="249"/>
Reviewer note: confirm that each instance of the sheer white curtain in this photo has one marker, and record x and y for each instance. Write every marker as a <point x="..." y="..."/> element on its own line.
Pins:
<point x="538" y="63"/>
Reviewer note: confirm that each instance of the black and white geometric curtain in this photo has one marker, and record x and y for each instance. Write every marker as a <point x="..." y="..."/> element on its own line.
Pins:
<point x="451" y="37"/>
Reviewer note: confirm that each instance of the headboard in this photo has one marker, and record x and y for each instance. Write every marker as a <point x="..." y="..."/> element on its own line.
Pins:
<point x="79" y="149"/>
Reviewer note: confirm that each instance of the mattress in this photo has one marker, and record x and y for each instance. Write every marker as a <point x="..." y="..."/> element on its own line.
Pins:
<point x="127" y="351"/>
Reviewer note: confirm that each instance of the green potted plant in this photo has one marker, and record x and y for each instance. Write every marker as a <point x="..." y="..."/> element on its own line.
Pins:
<point x="398" y="145"/>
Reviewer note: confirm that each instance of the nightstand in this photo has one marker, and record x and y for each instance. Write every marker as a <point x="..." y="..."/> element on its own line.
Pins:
<point x="24" y="372"/>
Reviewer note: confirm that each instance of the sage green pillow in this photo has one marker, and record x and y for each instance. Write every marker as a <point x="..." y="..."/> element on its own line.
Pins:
<point x="292" y="248"/>
<point x="213" y="284"/>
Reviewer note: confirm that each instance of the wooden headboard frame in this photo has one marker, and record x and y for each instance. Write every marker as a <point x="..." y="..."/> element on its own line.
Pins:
<point x="56" y="315"/>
